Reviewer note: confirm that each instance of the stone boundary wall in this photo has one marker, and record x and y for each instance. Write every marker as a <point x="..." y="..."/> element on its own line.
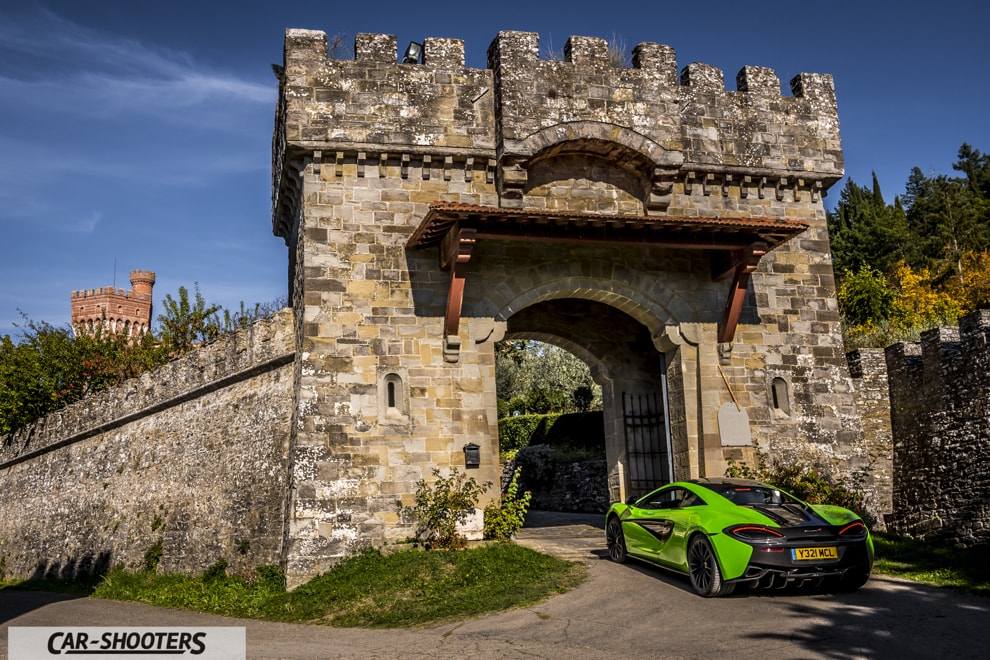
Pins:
<point x="560" y="485"/>
<point x="939" y="396"/>
<point x="868" y="369"/>
<point x="188" y="460"/>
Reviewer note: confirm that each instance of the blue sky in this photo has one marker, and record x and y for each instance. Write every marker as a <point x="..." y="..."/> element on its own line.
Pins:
<point x="137" y="135"/>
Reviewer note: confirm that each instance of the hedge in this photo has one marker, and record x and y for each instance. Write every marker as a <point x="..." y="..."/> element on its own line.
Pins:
<point x="577" y="430"/>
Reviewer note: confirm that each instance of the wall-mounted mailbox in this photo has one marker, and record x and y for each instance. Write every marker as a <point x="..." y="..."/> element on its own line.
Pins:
<point x="472" y="455"/>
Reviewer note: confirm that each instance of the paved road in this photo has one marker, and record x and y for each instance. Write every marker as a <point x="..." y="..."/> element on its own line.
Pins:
<point x="629" y="610"/>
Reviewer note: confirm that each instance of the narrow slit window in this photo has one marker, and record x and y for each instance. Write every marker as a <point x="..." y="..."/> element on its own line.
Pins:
<point x="392" y="398"/>
<point x="781" y="399"/>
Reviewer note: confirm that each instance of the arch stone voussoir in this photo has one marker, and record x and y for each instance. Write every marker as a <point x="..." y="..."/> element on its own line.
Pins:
<point x="593" y="136"/>
<point x="647" y="311"/>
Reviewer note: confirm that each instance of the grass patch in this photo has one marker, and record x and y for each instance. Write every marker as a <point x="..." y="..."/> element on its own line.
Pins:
<point x="962" y="569"/>
<point x="82" y="587"/>
<point x="410" y="589"/>
<point x="406" y="589"/>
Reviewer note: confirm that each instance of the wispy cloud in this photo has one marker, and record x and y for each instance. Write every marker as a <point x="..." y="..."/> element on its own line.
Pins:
<point x="80" y="70"/>
<point x="86" y="224"/>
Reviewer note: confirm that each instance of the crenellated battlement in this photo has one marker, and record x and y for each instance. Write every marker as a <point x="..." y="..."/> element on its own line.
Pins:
<point x="939" y="395"/>
<point x="946" y="354"/>
<point x="522" y="49"/>
<point x="677" y="127"/>
<point x="116" y="309"/>
<point x="654" y="63"/>
<point x="109" y="291"/>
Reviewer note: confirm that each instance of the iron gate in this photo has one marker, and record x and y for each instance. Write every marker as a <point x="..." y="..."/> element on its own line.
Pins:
<point x="648" y="459"/>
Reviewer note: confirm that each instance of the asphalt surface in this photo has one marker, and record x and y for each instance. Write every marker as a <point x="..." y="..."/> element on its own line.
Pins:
<point x="629" y="610"/>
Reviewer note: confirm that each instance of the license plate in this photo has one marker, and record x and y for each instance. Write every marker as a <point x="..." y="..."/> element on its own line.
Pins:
<point x="811" y="554"/>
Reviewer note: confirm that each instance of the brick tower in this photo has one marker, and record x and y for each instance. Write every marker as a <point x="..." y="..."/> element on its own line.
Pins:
<point x="120" y="311"/>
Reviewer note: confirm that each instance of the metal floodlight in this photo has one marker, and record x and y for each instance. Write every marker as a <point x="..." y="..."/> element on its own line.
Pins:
<point x="413" y="53"/>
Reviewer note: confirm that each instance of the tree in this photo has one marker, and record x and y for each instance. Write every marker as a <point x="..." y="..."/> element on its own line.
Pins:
<point x="866" y="231"/>
<point x="976" y="167"/>
<point x="920" y="304"/>
<point x="866" y="298"/>
<point x="245" y="317"/>
<point x="949" y="216"/>
<point x="539" y="378"/>
<point x="183" y="325"/>
<point x="50" y="368"/>
<point x="972" y="290"/>
<point x="512" y="374"/>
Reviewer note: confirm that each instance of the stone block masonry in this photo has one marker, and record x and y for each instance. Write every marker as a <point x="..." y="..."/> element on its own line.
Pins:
<point x="666" y="230"/>
<point x="191" y="456"/>
<point x="868" y="368"/>
<point x="431" y="209"/>
<point x="939" y="396"/>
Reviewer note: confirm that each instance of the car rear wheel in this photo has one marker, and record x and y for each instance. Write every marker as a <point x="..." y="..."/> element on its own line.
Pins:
<point x="615" y="541"/>
<point x="853" y="579"/>
<point x="706" y="576"/>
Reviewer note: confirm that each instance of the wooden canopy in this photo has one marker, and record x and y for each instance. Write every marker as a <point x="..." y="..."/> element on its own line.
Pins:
<point x="736" y="244"/>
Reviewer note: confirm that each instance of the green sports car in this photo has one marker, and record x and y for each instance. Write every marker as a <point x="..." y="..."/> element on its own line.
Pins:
<point x="726" y="532"/>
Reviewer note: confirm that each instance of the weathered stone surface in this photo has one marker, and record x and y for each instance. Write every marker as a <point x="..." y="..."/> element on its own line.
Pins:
<point x="940" y="395"/>
<point x="577" y="486"/>
<point x="304" y="451"/>
<point x="363" y="147"/>
<point x="192" y="456"/>
<point x="868" y="368"/>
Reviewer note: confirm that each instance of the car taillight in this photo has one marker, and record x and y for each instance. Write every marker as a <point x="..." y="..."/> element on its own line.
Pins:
<point x="750" y="533"/>
<point x="853" y="529"/>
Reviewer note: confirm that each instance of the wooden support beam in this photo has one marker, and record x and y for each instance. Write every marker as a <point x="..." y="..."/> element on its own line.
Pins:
<point x="455" y="254"/>
<point x="737" y="292"/>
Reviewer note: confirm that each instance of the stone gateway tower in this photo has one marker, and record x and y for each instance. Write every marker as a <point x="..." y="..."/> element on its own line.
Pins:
<point x="667" y="231"/>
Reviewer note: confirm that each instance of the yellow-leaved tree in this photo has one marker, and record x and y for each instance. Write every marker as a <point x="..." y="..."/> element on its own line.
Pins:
<point x="971" y="288"/>
<point x="920" y="302"/>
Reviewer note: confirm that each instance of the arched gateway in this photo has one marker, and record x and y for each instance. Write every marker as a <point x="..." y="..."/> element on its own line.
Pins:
<point x="667" y="231"/>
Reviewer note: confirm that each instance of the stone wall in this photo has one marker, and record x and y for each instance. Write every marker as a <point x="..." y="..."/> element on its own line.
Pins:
<point x="868" y="368"/>
<point x="367" y="144"/>
<point x="191" y="456"/>
<point x="940" y="395"/>
<point x="563" y="485"/>
<point x="367" y="151"/>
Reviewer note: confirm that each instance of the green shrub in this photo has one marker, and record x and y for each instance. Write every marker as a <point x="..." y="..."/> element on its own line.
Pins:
<point x="152" y="557"/>
<point x="215" y="572"/>
<point x="523" y="430"/>
<point x="577" y="430"/>
<point x="543" y="402"/>
<point x="270" y="578"/>
<point x="441" y="506"/>
<point x="583" y="398"/>
<point x="506" y="517"/>
<point x="517" y="404"/>
<point x="811" y="483"/>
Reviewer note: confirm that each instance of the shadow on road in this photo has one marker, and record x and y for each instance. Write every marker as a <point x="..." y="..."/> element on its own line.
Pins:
<point x="541" y="519"/>
<point x="15" y="602"/>
<point x="887" y="618"/>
